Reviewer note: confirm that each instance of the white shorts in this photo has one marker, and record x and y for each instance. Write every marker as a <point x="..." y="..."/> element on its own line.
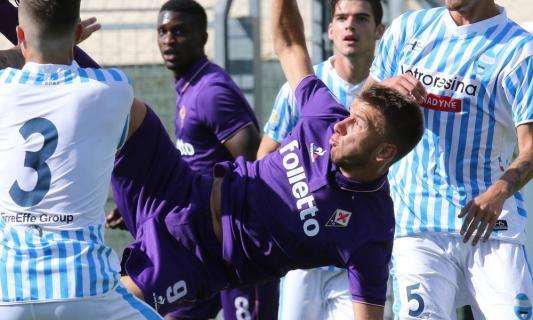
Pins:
<point x="118" y="304"/>
<point x="435" y="273"/>
<point x="315" y="294"/>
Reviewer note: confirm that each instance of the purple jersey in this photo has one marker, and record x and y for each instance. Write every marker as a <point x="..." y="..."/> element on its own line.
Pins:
<point x="290" y="210"/>
<point x="295" y="210"/>
<point x="210" y="108"/>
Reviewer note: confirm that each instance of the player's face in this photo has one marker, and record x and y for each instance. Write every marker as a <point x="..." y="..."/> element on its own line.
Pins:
<point x="180" y="40"/>
<point x="356" y="138"/>
<point x="353" y="29"/>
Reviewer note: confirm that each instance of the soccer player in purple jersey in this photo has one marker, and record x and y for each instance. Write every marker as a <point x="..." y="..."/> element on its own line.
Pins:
<point x="213" y="123"/>
<point x="295" y="208"/>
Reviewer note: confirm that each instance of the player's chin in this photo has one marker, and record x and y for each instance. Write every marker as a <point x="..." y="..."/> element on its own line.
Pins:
<point x="172" y="65"/>
<point x="336" y="156"/>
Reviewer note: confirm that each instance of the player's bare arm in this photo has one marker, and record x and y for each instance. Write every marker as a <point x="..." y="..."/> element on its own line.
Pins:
<point x="481" y="214"/>
<point x="289" y="41"/>
<point x="244" y="142"/>
<point x="267" y="146"/>
<point x="363" y="311"/>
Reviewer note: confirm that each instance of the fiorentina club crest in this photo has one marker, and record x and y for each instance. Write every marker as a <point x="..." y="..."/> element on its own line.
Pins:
<point x="182" y="114"/>
<point x="340" y="218"/>
<point x="316" y="152"/>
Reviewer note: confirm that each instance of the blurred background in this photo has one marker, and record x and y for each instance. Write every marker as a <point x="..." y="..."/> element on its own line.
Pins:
<point x="239" y="41"/>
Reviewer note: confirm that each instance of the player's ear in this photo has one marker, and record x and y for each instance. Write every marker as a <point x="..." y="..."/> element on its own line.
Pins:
<point x="21" y="37"/>
<point x="386" y="152"/>
<point x="380" y="29"/>
<point x="330" y="31"/>
<point x="78" y="33"/>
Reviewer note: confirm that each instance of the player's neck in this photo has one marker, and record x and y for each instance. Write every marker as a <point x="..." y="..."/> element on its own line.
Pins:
<point x="482" y="10"/>
<point x="362" y="174"/>
<point x="42" y="59"/>
<point x="352" y="69"/>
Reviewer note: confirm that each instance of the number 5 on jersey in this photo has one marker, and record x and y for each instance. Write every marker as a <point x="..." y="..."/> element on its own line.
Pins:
<point x="37" y="161"/>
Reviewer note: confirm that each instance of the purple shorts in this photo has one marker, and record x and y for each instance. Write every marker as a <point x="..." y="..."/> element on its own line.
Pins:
<point x="175" y="257"/>
<point x="252" y="302"/>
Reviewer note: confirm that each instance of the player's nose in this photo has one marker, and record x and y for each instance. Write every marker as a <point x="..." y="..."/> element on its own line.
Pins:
<point x="340" y="127"/>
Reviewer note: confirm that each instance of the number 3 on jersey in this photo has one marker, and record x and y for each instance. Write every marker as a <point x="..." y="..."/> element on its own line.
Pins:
<point x="37" y="161"/>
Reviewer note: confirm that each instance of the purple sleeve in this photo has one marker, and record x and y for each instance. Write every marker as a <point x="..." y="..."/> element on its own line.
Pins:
<point x="315" y="99"/>
<point x="10" y="21"/>
<point x="224" y="110"/>
<point x="368" y="272"/>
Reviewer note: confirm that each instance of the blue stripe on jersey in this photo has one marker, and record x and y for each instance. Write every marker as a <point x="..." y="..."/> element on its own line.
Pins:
<point x="520" y="201"/>
<point x="433" y="138"/>
<point x="99" y="75"/>
<point x="39" y="78"/>
<point x="82" y="74"/>
<point x="47" y="271"/>
<point x="92" y="267"/>
<point x="62" y="259"/>
<point x="147" y="312"/>
<point x="17" y="274"/>
<point x="32" y="267"/>
<point x="54" y="76"/>
<point x="10" y="75"/>
<point x="68" y="77"/>
<point x="24" y="77"/>
<point x="115" y="74"/>
<point x="99" y="253"/>
<point x="77" y="263"/>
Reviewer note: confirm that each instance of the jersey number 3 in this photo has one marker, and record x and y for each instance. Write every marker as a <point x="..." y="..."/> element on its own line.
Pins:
<point x="37" y="161"/>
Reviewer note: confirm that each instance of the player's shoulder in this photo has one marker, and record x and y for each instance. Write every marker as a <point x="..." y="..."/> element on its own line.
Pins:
<point x="214" y="75"/>
<point x="111" y="76"/>
<point x="416" y="21"/>
<point x="519" y="38"/>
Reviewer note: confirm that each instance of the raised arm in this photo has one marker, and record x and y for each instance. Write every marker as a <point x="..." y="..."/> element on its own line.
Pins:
<point x="289" y="41"/>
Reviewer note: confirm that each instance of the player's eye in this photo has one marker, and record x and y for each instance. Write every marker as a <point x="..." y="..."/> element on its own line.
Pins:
<point x="362" y="19"/>
<point x="341" y="18"/>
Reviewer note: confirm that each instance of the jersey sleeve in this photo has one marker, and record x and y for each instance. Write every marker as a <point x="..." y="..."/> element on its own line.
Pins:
<point x="314" y="99"/>
<point x="284" y="115"/>
<point x="387" y="56"/>
<point x="518" y="89"/>
<point x="224" y="111"/>
<point x="368" y="272"/>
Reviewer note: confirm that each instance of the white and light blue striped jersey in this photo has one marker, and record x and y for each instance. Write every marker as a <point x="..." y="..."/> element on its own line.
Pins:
<point x="479" y="83"/>
<point x="285" y="112"/>
<point x="59" y="130"/>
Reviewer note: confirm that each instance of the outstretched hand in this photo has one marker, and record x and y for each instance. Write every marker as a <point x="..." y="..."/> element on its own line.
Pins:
<point x="89" y="26"/>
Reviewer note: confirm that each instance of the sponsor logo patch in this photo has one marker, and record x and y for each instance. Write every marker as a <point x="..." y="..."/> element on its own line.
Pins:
<point x="435" y="81"/>
<point x="501" y="225"/>
<point x="316" y="152"/>
<point x="340" y="218"/>
<point x="442" y="103"/>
